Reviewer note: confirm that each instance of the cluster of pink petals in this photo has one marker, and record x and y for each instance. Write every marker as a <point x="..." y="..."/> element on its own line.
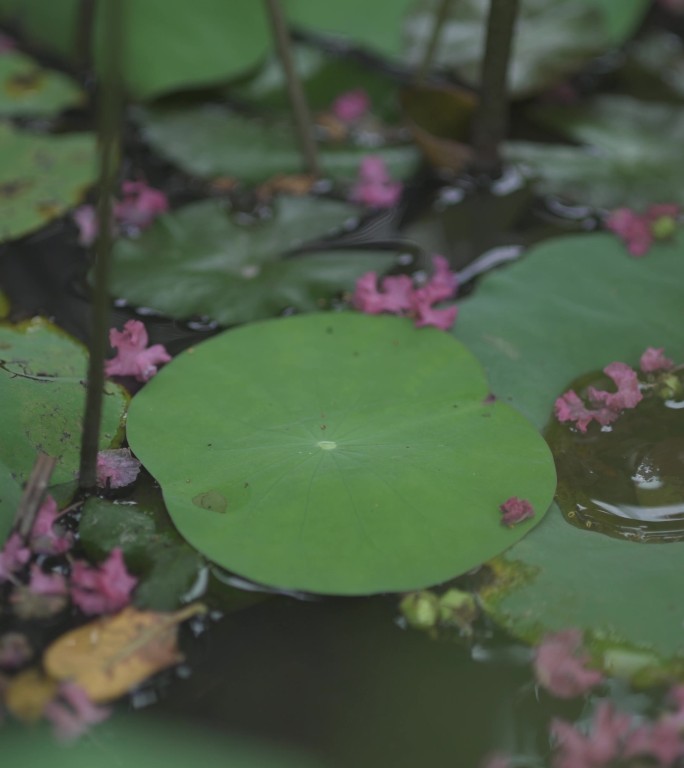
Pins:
<point x="374" y="186"/>
<point x="654" y="360"/>
<point x="559" y="665"/>
<point x="47" y="583"/>
<point x="605" y="406"/>
<point x="397" y="296"/>
<point x="515" y="510"/>
<point x="139" y="207"/>
<point x="71" y="712"/>
<point x="133" y="357"/>
<point x="351" y="106"/>
<point x="103" y="589"/>
<point x="45" y="539"/>
<point x="638" y="231"/>
<point x="13" y="556"/>
<point x="116" y="468"/>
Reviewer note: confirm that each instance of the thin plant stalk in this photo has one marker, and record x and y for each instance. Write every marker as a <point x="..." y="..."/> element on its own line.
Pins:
<point x="298" y="102"/>
<point x="438" y="20"/>
<point x="491" y="120"/>
<point x="34" y="493"/>
<point x="110" y="105"/>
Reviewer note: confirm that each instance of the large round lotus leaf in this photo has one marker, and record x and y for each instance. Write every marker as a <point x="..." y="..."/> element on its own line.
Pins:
<point x="213" y="141"/>
<point x="141" y="739"/>
<point x="42" y="396"/>
<point x="629" y="154"/>
<point x="41" y="177"/>
<point x="553" y="38"/>
<point x="28" y="89"/>
<point x="338" y="453"/>
<point x="168" y="45"/>
<point x="572" y="306"/>
<point x="197" y="261"/>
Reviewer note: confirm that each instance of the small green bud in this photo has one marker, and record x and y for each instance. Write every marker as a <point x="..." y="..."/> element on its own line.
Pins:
<point x="420" y="609"/>
<point x="664" y="227"/>
<point x="458" y="608"/>
<point x="669" y="386"/>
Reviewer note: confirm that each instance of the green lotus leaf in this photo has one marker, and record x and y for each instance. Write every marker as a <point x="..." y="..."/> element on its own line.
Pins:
<point x="338" y="453"/>
<point x="10" y="494"/>
<point x="572" y="306"/>
<point x="41" y="177"/>
<point x="27" y="89"/>
<point x="212" y="141"/>
<point x="167" y="45"/>
<point x="624" y="157"/>
<point x="553" y="38"/>
<point x="197" y="261"/>
<point x="42" y="397"/>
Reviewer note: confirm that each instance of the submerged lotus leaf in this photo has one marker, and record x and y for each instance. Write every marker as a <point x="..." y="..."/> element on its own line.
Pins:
<point x="41" y="177"/>
<point x="342" y="454"/>
<point x="624" y="157"/>
<point x="26" y="89"/>
<point x="198" y="261"/>
<point x="42" y="396"/>
<point x="553" y="38"/>
<point x="212" y="141"/>
<point x="574" y="305"/>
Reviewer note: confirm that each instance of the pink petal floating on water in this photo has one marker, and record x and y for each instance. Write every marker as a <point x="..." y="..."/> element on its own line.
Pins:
<point x="569" y="407"/>
<point x="374" y="186"/>
<point x="116" y="468"/>
<point x="103" y="589"/>
<point x="140" y="206"/>
<point x="628" y="394"/>
<point x="598" y="748"/>
<point x="653" y="359"/>
<point x="44" y="539"/>
<point x="13" y="556"/>
<point x="132" y="358"/>
<point x="85" y="218"/>
<point x="71" y="712"/>
<point x="46" y="583"/>
<point x="515" y="510"/>
<point x="559" y="665"/>
<point x="638" y="231"/>
<point x="351" y="105"/>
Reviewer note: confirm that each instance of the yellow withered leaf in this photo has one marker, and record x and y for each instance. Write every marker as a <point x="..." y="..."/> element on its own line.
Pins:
<point x="28" y="693"/>
<point x="109" y="656"/>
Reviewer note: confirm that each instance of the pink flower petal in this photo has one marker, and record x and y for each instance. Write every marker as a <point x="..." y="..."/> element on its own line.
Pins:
<point x="653" y="359"/>
<point x="106" y="589"/>
<point x="374" y="186"/>
<point x="132" y="359"/>
<point x="45" y="540"/>
<point x="140" y="205"/>
<point x="559" y="665"/>
<point x="116" y="468"/>
<point x="72" y="713"/>
<point x="428" y="315"/>
<point x="661" y="741"/>
<point x="13" y="556"/>
<point x="46" y="584"/>
<point x="395" y="295"/>
<point x="628" y="394"/>
<point x="515" y="510"/>
<point x="569" y="407"/>
<point x="443" y="283"/>
<point x="351" y="105"/>
<point x="85" y="219"/>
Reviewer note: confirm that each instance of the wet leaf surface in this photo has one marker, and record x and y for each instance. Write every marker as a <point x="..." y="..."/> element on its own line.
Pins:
<point x="370" y="463"/>
<point x="199" y="261"/>
<point x="42" y="395"/>
<point x="624" y="157"/>
<point x="26" y="89"/>
<point x="212" y="141"/>
<point x="575" y="304"/>
<point x="41" y="177"/>
<point x="109" y="656"/>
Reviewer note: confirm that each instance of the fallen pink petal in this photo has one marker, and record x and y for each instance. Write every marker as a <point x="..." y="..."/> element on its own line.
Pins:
<point x="654" y="359"/>
<point x="628" y="394"/>
<point x="515" y="510"/>
<point x="596" y="749"/>
<point x="140" y="206"/>
<point x="351" y="105"/>
<point x="559" y="665"/>
<point x="103" y="589"/>
<point x="639" y="231"/>
<point x="47" y="583"/>
<point x="13" y="556"/>
<point x="374" y="187"/>
<point x="85" y="218"/>
<point x="45" y="539"/>
<point x="133" y="357"/>
<point x="116" y="468"/>
<point x="72" y="713"/>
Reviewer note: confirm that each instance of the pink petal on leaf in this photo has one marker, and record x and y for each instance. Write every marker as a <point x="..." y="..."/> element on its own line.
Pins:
<point x="71" y="712"/>
<point x="351" y="105"/>
<point x="374" y="186"/>
<point x="140" y="206"/>
<point x="104" y="589"/>
<point x="45" y="540"/>
<point x="46" y="583"/>
<point x="116" y="468"/>
<point x="515" y="510"/>
<point x="443" y="283"/>
<point x="559" y="665"/>
<point x="653" y="359"/>
<point x="132" y="358"/>
<point x="13" y="556"/>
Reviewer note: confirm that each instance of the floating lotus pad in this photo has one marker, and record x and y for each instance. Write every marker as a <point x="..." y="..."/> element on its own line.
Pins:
<point x="573" y="305"/>
<point x="338" y="453"/>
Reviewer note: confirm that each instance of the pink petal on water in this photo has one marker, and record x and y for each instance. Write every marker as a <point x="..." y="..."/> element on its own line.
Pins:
<point x="132" y="357"/>
<point x="559" y="665"/>
<point x="351" y="105"/>
<point x="45" y="539"/>
<point x="103" y="589"/>
<point x="13" y="556"/>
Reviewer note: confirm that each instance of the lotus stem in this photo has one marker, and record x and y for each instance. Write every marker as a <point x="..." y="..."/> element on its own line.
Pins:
<point x="491" y="120"/>
<point x="34" y="493"/>
<point x="110" y="109"/>
<point x="438" y="20"/>
<point x="300" y="107"/>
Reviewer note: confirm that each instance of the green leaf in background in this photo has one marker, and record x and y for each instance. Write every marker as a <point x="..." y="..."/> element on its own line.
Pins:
<point x="374" y="25"/>
<point x="213" y="141"/>
<point x="198" y="261"/>
<point x="41" y="177"/>
<point x="143" y="739"/>
<point x="553" y="38"/>
<point x="573" y="305"/>
<point x="10" y="493"/>
<point x="42" y="396"/>
<point x="26" y="89"/>
<point x="625" y="158"/>
<point x="168" y="45"/>
<point x="166" y="567"/>
<point x="338" y="453"/>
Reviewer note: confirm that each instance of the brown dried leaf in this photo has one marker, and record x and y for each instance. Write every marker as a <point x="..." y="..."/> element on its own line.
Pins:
<point x="28" y="693"/>
<point x="109" y="656"/>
